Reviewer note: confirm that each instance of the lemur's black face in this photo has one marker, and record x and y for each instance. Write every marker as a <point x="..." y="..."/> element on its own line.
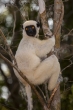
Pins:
<point x="30" y="30"/>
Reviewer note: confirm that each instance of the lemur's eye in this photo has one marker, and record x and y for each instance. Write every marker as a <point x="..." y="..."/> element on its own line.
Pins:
<point x="26" y="29"/>
<point x="32" y="27"/>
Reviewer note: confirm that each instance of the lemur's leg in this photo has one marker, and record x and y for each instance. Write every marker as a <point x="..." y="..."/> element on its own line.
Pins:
<point x="45" y="70"/>
<point x="53" y="79"/>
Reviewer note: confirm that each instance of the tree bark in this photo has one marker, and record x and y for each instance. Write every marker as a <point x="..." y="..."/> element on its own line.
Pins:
<point x="45" y="26"/>
<point x="58" y="16"/>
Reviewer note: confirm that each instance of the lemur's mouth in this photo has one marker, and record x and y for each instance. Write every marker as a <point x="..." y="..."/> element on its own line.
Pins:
<point x="31" y="34"/>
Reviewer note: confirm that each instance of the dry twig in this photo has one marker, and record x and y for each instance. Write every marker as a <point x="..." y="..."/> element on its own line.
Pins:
<point x="8" y="107"/>
<point x="52" y="95"/>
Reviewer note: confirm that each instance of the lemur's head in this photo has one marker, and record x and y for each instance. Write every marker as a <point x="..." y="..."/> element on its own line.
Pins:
<point x="31" y="28"/>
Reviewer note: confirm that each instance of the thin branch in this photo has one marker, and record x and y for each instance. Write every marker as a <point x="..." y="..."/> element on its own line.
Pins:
<point x="5" y="59"/>
<point x="41" y="93"/>
<point x="52" y="95"/>
<point x="46" y="91"/>
<point x="16" y="9"/>
<point x="9" y="50"/>
<point x="4" y="50"/>
<point x="71" y="63"/>
<point x="70" y="31"/>
<point x="8" y="107"/>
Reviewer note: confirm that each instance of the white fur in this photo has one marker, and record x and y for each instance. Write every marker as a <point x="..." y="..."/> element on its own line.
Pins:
<point x="28" y="56"/>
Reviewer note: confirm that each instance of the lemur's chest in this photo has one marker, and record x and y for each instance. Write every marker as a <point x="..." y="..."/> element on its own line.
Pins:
<point x="25" y="47"/>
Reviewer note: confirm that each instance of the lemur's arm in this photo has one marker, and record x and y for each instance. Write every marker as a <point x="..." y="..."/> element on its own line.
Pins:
<point x="43" y="47"/>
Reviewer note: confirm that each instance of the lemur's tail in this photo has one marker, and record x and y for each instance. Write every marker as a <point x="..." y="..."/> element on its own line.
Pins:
<point x="29" y="97"/>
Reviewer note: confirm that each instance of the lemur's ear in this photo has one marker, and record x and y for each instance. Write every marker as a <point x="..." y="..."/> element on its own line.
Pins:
<point x="22" y="27"/>
<point x="38" y="24"/>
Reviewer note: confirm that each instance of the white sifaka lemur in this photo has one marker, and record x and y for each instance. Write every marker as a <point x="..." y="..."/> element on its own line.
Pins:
<point x="29" y="55"/>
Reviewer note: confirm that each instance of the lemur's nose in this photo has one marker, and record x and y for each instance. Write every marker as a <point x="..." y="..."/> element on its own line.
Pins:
<point x="30" y="29"/>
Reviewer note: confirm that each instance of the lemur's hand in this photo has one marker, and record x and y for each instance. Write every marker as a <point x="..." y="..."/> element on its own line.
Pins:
<point x="49" y="36"/>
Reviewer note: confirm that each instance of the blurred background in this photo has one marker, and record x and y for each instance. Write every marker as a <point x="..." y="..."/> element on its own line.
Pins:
<point x="12" y="15"/>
